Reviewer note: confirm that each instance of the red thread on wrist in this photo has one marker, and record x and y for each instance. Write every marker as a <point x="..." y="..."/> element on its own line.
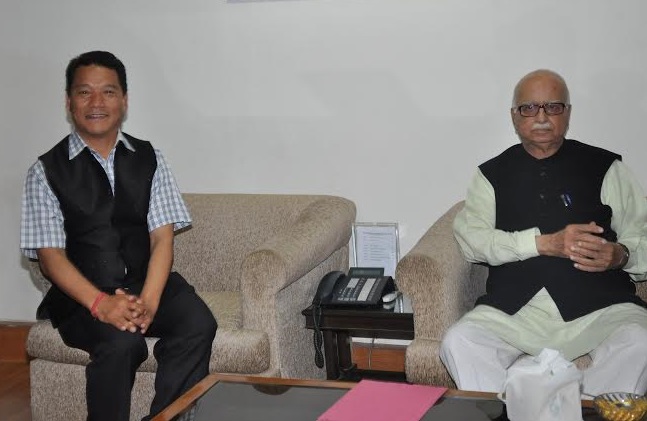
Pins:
<point x="95" y="304"/>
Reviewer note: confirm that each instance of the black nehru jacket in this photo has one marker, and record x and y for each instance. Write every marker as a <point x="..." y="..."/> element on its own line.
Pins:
<point x="107" y="235"/>
<point x="551" y="193"/>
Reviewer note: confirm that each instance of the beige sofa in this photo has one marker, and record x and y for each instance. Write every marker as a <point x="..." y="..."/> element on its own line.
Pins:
<point x="256" y="260"/>
<point x="443" y="286"/>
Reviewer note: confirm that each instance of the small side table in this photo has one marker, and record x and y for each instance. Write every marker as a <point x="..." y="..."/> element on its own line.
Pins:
<point x="338" y="325"/>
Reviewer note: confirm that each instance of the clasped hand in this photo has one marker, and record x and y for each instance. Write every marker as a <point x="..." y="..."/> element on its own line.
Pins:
<point x="582" y="244"/>
<point x="126" y="312"/>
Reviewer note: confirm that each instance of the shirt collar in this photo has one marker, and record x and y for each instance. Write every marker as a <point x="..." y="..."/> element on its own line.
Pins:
<point x="76" y="144"/>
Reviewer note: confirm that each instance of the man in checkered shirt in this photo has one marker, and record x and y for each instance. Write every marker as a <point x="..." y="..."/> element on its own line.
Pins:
<point x="99" y="212"/>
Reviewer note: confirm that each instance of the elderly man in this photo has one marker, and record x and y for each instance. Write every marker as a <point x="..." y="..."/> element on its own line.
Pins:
<point x="562" y="227"/>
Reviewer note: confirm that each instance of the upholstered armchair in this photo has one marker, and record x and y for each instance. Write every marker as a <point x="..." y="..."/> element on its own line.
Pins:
<point x="256" y="260"/>
<point x="443" y="286"/>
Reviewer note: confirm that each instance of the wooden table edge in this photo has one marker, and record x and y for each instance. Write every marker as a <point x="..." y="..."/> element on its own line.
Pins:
<point x="193" y="394"/>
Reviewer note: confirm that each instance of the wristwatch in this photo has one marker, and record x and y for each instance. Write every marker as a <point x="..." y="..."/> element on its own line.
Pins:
<point x="625" y="258"/>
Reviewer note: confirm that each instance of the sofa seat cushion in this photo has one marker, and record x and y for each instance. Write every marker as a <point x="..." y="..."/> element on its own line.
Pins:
<point x="234" y="350"/>
<point x="226" y="306"/>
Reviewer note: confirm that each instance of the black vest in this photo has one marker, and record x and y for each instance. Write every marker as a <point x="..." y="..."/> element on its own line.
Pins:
<point x="551" y="193"/>
<point x="107" y="235"/>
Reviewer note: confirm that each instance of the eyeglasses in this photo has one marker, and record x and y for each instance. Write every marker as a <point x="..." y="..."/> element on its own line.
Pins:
<point x="550" y="108"/>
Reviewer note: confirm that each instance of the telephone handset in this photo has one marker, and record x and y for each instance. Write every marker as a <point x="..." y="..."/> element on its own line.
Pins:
<point x="362" y="287"/>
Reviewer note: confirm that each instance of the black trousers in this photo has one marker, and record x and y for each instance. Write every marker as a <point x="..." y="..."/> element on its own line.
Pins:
<point x="186" y="328"/>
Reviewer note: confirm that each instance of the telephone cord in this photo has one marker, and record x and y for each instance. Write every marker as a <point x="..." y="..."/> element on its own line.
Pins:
<point x="317" y="336"/>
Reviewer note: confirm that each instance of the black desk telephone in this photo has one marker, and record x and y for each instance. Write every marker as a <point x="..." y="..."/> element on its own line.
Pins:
<point x="361" y="288"/>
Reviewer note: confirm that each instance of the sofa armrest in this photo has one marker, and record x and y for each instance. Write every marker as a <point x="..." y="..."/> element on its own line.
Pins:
<point x="323" y="227"/>
<point x="437" y="278"/>
<point x="279" y="278"/>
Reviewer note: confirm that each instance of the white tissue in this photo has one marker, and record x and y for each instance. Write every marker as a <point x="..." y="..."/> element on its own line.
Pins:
<point x="543" y="388"/>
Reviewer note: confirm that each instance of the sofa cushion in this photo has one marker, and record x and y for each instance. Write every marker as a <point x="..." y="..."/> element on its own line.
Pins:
<point x="234" y="350"/>
<point x="226" y="306"/>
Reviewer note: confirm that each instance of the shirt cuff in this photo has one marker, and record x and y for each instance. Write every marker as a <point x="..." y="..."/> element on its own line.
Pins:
<point x="527" y="244"/>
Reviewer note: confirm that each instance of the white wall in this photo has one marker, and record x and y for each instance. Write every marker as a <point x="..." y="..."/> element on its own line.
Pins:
<point x="284" y="96"/>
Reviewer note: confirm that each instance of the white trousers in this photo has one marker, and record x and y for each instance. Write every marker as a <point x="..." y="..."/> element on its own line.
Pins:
<point x="477" y="360"/>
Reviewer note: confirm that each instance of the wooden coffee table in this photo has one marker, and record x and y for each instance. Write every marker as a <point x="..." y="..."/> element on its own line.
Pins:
<point x="220" y="396"/>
